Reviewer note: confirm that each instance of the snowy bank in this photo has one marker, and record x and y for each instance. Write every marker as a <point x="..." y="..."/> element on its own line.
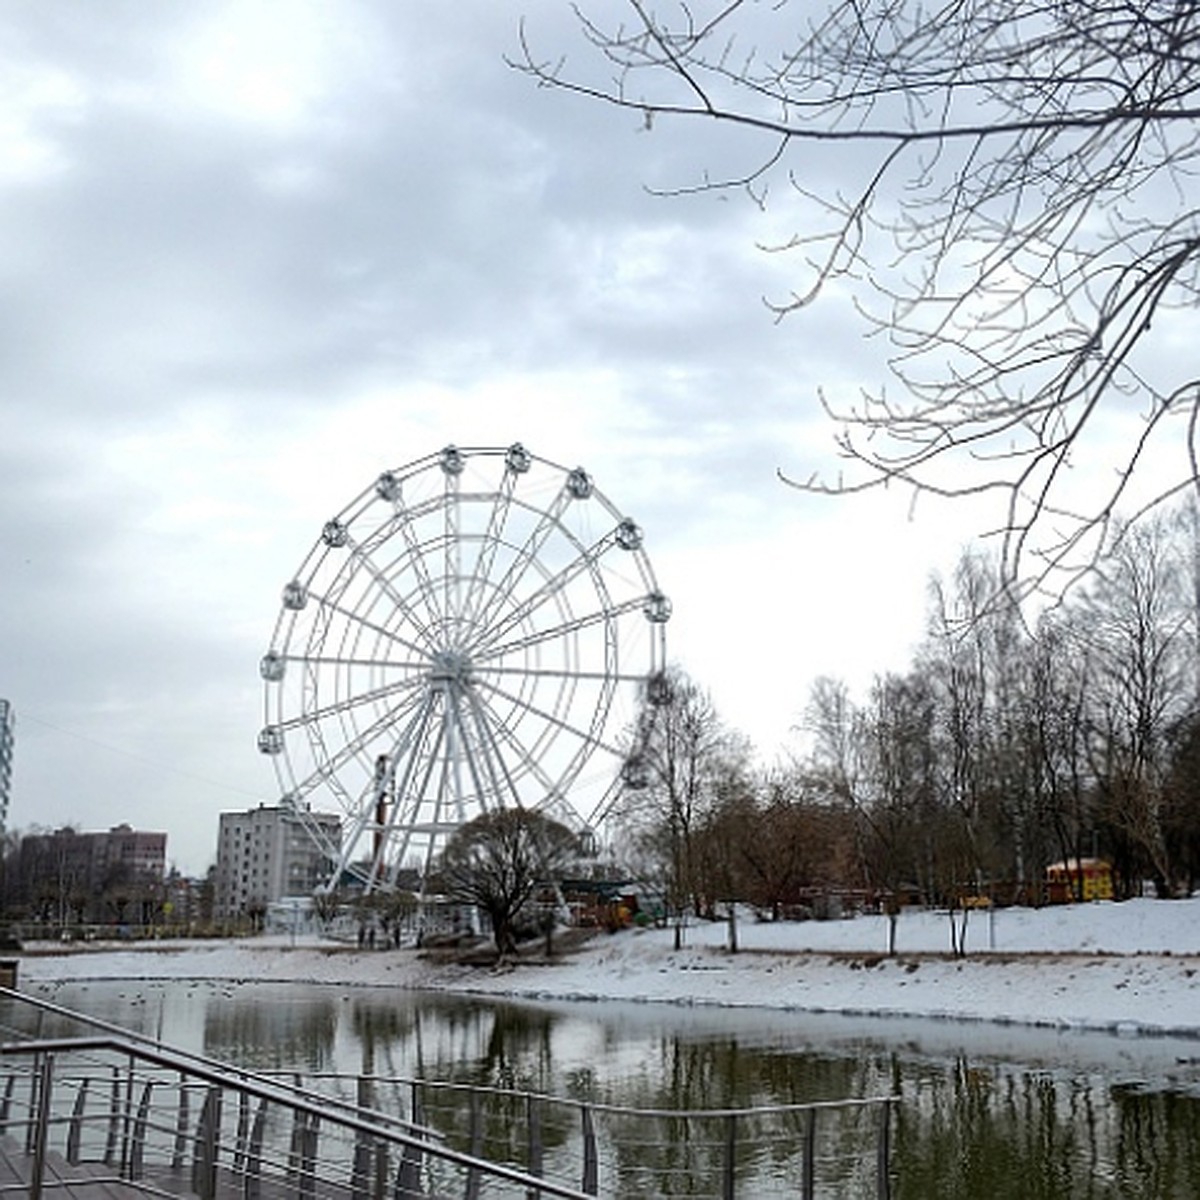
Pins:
<point x="1128" y="968"/>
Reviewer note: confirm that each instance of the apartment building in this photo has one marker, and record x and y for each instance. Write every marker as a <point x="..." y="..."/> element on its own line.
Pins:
<point x="116" y="874"/>
<point x="267" y="853"/>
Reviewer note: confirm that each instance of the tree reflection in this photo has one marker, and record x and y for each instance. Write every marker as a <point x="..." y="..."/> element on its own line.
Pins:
<point x="291" y="1033"/>
<point x="977" y="1130"/>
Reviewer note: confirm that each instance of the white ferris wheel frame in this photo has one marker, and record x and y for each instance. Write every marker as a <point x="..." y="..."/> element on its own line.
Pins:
<point x="456" y="641"/>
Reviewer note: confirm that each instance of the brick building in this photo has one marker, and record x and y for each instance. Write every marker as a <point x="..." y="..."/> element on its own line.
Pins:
<point x="111" y="876"/>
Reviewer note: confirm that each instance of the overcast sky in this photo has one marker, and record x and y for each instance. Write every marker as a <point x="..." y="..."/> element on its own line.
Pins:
<point x="253" y="254"/>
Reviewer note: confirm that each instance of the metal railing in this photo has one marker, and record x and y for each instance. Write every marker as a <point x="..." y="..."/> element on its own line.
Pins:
<point x="805" y="1150"/>
<point x="249" y="1137"/>
<point x="168" y="1121"/>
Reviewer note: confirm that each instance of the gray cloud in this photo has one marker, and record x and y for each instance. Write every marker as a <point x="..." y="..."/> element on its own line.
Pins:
<point x="229" y="299"/>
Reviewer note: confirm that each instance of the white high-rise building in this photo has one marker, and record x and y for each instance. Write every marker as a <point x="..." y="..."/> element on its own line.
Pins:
<point x="265" y="854"/>
<point x="7" y="721"/>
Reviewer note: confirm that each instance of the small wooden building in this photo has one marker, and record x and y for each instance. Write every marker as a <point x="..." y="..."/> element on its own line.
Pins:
<point x="1085" y="878"/>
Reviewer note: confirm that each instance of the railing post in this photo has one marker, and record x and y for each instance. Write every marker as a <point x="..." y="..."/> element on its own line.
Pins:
<point x="138" y="1142"/>
<point x="127" y="1120"/>
<point x="41" y="1125"/>
<point x="309" y="1136"/>
<point x="296" y="1147"/>
<point x="114" y="1118"/>
<point x="408" y="1178"/>
<point x="293" y="1167"/>
<point x="75" y="1127"/>
<point x="382" y="1167"/>
<point x="360" y="1172"/>
<point x="730" y="1156"/>
<point x="253" y="1183"/>
<point x="204" y="1159"/>
<point x="360" y="1169"/>
<point x="533" y="1125"/>
<point x="883" y="1162"/>
<point x="475" y="1141"/>
<point x="35" y="1078"/>
<point x="6" y="1102"/>
<point x="591" y="1171"/>
<point x="243" y="1131"/>
<point x="808" y="1180"/>
<point x="181" y="1127"/>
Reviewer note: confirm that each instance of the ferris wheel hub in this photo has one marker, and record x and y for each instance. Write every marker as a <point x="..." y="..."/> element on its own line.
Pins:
<point x="450" y="666"/>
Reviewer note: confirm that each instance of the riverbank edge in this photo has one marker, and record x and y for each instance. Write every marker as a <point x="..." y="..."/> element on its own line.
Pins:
<point x="1128" y="995"/>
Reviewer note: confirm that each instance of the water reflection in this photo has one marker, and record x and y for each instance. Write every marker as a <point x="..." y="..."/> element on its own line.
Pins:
<point x="1001" y="1132"/>
<point x="986" y="1111"/>
<point x="296" y="1032"/>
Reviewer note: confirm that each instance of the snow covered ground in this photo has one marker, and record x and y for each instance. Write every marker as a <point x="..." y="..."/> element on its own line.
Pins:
<point x="1129" y="968"/>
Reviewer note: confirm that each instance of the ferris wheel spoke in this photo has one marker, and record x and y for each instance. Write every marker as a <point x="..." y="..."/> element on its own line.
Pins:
<point x="415" y="557"/>
<point x="566" y="673"/>
<point x="406" y="750"/>
<point x="337" y="608"/>
<point x="549" y="521"/>
<point x="565" y="629"/>
<point x="499" y="732"/>
<point x="352" y="748"/>
<point x="604" y="806"/>
<point x="385" y="585"/>
<point x="552" y="798"/>
<point x="475" y="754"/>
<point x="338" y="707"/>
<point x="453" y="790"/>
<point x="585" y="561"/>
<point x="493" y="535"/>
<point x="374" y="664"/>
<point x="551" y="718"/>
<point x="320" y="835"/>
<point x="493" y="760"/>
<point x="452" y="517"/>
<point x="360" y="825"/>
<point x="442" y="784"/>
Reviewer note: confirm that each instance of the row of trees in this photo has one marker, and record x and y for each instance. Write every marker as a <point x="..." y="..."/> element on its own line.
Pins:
<point x="47" y="878"/>
<point x="1002" y="748"/>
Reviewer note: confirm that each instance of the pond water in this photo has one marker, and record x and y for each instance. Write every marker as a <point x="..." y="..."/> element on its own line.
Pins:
<point x="986" y="1111"/>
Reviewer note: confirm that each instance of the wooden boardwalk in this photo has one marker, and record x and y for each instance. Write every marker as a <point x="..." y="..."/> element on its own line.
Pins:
<point x="94" y="1181"/>
<point x="90" y="1181"/>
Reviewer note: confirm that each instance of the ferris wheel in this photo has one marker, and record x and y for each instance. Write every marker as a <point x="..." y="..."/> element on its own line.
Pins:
<point x="474" y="631"/>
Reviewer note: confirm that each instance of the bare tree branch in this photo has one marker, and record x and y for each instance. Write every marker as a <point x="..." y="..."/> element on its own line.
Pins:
<point x="1007" y="193"/>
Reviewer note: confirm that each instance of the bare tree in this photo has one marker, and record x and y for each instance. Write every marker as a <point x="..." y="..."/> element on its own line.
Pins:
<point x="497" y="862"/>
<point x="794" y="847"/>
<point x="327" y="904"/>
<point x="1054" y="736"/>
<point x="686" y="755"/>
<point x="1181" y="808"/>
<point x="985" y="671"/>
<point x="880" y="762"/>
<point x="1136" y="628"/>
<point x="1005" y="193"/>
